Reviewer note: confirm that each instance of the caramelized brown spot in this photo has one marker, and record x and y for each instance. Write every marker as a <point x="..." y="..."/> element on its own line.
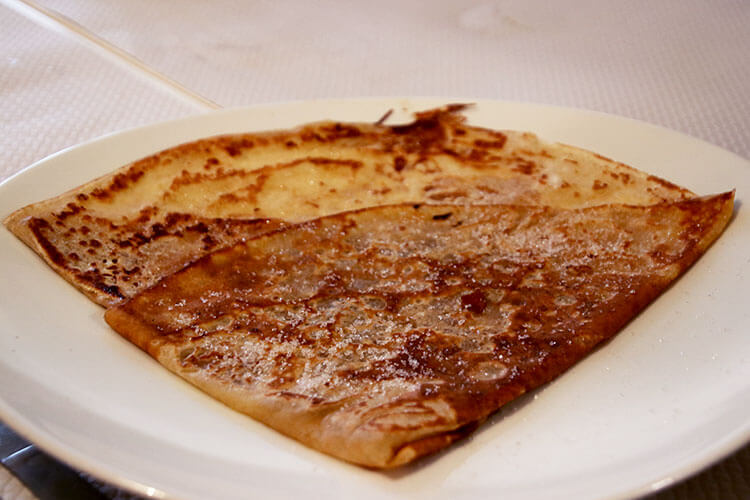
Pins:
<point x="200" y="227"/>
<point x="208" y="242"/>
<point x="37" y="227"/>
<point x="525" y="167"/>
<point x="399" y="163"/>
<point x="442" y="216"/>
<point x="342" y="130"/>
<point x="422" y="134"/>
<point x="123" y="180"/>
<point x="330" y="161"/>
<point x="475" y="301"/>
<point x="235" y="147"/>
<point x="70" y="209"/>
<point x="498" y="143"/>
<point x="210" y="163"/>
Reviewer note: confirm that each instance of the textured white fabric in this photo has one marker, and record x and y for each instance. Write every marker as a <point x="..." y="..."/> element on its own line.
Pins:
<point x="682" y="64"/>
<point x="55" y="93"/>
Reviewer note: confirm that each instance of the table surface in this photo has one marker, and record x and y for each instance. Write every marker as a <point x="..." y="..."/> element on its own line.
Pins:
<point x="73" y="70"/>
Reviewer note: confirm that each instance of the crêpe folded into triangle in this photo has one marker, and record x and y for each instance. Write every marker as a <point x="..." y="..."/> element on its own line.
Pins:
<point x="121" y="233"/>
<point x="384" y="334"/>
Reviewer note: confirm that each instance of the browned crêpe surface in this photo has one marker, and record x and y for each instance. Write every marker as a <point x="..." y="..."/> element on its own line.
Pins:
<point x="121" y="233"/>
<point x="384" y="334"/>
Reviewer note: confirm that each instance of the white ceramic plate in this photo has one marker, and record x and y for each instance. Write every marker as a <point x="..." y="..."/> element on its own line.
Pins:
<point x="668" y="396"/>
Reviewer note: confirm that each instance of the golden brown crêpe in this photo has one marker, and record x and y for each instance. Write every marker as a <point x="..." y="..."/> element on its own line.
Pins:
<point x="121" y="233"/>
<point x="384" y="334"/>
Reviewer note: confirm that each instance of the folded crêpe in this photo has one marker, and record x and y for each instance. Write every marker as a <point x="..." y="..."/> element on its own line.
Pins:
<point x="384" y="334"/>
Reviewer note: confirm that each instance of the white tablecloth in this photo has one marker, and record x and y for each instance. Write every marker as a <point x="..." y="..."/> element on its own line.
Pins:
<point x="71" y="70"/>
